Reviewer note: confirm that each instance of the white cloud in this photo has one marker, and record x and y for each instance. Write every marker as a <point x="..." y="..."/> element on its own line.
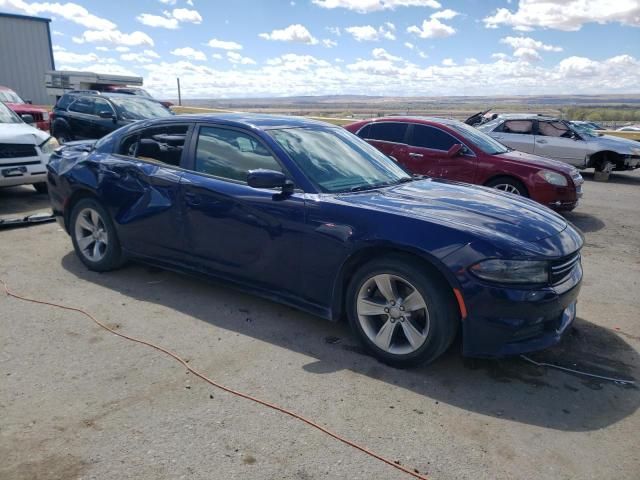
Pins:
<point x="115" y="37"/>
<point x="434" y="28"/>
<point x="169" y="2"/>
<point x="151" y="54"/>
<point x="235" y="57"/>
<point x="409" y="45"/>
<point x="121" y="49"/>
<point x="327" y="42"/>
<point x="334" y="30"/>
<point x="568" y="15"/>
<point x="382" y="54"/>
<point x="367" y="33"/>
<point x="190" y="53"/>
<point x="216" y="56"/>
<point x="69" y="11"/>
<point x="215" y="43"/>
<point x="293" y="33"/>
<point x="102" y="49"/>
<point x="448" y="62"/>
<point x="294" y="62"/>
<point x="135" y="58"/>
<point x="62" y="56"/>
<point x="170" y="19"/>
<point x="367" y="6"/>
<point x="527" y="49"/>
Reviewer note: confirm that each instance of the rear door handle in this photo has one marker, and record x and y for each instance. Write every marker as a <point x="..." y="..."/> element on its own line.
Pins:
<point x="416" y="155"/>
<point x="541" y="141"/>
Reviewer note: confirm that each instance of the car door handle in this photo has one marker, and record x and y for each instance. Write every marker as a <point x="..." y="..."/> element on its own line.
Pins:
<point x="416" y="155"/>
<point x="192" y="199"/>
<point x="541" y="141"/>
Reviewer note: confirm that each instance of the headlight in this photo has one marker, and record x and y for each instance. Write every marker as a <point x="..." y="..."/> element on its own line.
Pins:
<point x="635" y="151"/>
<point x="49" y="145"/>
<point x="553" y="178"/>
<point x="512" y="271"/>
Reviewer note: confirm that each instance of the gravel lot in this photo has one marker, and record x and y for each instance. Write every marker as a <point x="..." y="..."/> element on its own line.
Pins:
<point x="78" y="402"/>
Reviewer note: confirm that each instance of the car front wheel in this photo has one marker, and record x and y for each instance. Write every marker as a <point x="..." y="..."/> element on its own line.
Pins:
<point x="403" y="313"/>
<point x="94" y="236"/>
<point x="509" y="185"/>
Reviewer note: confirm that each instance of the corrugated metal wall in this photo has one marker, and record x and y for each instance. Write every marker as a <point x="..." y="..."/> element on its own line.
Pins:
<point x="25" y="56"/>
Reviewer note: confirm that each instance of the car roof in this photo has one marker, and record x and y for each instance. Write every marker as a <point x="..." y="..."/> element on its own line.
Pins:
<point x="102" y="94"/>
<point x="526" y="116"/>
<point x="255" y="120"/>
<point x="416" y="119"/>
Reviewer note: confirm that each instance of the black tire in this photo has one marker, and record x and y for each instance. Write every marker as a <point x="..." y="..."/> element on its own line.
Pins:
<point x="511" y="182"/>
<point x="441" y="307"/>
<point x="41" y="187"/>
<point x="111" y="256"/>
<point x="63" y="136"/>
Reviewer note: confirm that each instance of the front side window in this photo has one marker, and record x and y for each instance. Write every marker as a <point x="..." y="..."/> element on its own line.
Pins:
<point x="480" y="139"/>
<point x="159" y="144"/>
<point x="10" y="96"/>
<point x="523" y="127"/>
<point x="101" y="105"/>
<point x="231" y="154"/>
<point x="7" y="116"/>
<point x="554" y="129"/>
<point x="337" y="161"/>
<point x="431" y="137"/>
<point x="388" y="132"/>
<point x="138" y="108"/>
<point x="82" y="105"/>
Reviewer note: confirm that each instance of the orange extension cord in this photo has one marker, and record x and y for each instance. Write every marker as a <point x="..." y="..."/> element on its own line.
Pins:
<point x="413" y="472"/>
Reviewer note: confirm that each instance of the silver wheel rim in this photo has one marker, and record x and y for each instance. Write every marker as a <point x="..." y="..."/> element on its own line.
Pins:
<point x="507" y="187"/>
<point x="393" y="314"/>
<point x="91" y="235"/>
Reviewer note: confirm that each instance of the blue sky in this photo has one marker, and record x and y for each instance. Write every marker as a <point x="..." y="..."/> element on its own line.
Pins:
<point x="246" y="48"/>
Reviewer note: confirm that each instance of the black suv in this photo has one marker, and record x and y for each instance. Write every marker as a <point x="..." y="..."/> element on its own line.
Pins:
<point x="91" y="114"/>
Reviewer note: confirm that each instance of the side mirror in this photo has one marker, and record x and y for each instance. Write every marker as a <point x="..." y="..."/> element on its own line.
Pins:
<point x="30" y="102"/>
<point x="26" y="118"/>
<point x="262" y="178"/>
<point x="106" y="114"/>
<point x="455" y="150"/>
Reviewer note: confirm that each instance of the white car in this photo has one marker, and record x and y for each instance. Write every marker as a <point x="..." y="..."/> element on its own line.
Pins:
<point x="24" y="152"/>
<point x="557" y="139"/>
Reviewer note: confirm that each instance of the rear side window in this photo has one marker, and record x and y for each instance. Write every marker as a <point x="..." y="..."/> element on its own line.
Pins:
<point x="388" y="132"/>
<point x="431" y="137"/>
<point x="231" y="154"/>
<point x="518" y="126"/>
<point x="82" y="105"/>
<point x="365" y="132"/>
<point x="162" y="144"/>
<point x="64" y="101"/>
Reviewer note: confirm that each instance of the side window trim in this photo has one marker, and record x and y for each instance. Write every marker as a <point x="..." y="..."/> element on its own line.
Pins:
<point x="193" y="146"/>
<point x="386" y="122"/>
<point x="137" y="132"/>
<point x="468" y="151"/>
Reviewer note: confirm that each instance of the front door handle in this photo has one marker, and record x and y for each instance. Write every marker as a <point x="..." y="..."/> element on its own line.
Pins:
<point x="192" y="199"/>
<point x="416" y="155"/>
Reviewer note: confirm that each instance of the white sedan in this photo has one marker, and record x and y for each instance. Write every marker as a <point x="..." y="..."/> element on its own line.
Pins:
<point x="24" y="152"/>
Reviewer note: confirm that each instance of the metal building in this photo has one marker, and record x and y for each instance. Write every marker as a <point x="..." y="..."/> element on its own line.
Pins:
<point x="26" y="54"/>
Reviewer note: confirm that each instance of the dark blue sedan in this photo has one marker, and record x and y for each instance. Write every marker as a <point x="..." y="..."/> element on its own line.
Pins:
<point x="309" y="215"/>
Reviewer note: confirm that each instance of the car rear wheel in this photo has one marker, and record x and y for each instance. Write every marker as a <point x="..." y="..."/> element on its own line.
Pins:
<point x="94" y="236"/>
<point x="41" y="187"/>
<point x="403" y="314"/>
<point x="63" y="137"/>
<point x="509" y="185"/>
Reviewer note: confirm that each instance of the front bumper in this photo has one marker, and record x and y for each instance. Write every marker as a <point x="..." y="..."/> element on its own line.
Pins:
<point x="23" y="170"/>
<point x="505" y="321"/>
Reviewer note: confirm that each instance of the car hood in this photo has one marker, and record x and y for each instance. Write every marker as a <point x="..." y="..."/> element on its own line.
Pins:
<point x="617" y="144"/>
<point x="21" y="133"/>
<point x="475" y="209"/>
<point x="538" y="161"/>
<point x="25" y="108"/>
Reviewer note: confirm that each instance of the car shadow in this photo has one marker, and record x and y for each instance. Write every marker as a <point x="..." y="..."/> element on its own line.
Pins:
<point x="625" y="178"/>
<point x="21" y="201"/>
<point x="584" y="221"/>
<point x="511" y="389"/>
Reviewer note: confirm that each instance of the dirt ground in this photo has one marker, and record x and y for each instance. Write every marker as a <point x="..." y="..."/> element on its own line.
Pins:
<point x="78" y="402"/>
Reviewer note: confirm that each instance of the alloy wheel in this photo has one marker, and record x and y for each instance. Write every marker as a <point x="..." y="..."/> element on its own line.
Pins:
<point x="393" y="314"/>
<point x="507" y="187"/>
<point x="91" y="235"/>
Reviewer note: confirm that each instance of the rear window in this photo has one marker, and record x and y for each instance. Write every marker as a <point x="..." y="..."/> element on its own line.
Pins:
<point x="388" y="132"/>
<point x="64" y="101"/>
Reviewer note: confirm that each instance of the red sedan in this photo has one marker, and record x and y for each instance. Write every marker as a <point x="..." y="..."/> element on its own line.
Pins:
<point x="450" y="149"/>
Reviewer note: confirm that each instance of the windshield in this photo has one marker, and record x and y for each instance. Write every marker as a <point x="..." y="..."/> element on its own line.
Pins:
<point x="481" y="140"/>
<point x="132" y="108"/>
<point x="7" y="116"/>
<point x="584" y="129"/>
<point x="338" y="161"/>
<point x="10" y="96"/>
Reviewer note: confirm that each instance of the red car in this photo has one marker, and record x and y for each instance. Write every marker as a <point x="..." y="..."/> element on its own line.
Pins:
<point x="12" y="100"/>
<point x="450" y="149"/>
